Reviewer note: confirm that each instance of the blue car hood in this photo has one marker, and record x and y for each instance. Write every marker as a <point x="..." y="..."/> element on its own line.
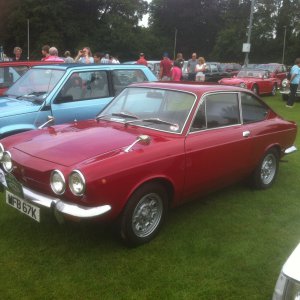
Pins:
<point x="11" y="106"/>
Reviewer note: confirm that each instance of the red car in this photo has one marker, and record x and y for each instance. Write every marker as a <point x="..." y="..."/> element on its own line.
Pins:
<point x="155" y="146"/>
<point x="11" y="71"/>
<point x="255" y="80"/>
<point x="277" y="71"/>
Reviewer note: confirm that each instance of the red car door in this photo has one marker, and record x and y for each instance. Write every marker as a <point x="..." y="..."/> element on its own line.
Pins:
<point x="218" y="148"/>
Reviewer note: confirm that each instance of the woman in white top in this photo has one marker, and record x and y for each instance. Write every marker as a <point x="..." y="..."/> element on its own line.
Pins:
<point x="85" y="56"/>
<point x="200" y="69"/>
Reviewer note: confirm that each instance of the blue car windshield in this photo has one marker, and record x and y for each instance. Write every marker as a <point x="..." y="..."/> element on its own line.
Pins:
<point x="35" y="82"/>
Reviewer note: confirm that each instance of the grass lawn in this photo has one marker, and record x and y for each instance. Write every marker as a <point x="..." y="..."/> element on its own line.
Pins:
<point x="230" y="245"/>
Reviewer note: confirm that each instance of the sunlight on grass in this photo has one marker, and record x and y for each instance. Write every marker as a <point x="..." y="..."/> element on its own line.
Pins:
<point x="229" y="245"/>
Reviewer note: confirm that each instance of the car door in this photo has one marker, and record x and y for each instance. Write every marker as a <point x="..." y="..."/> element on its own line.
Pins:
<point x="218" y="147"/>
<point x="82" y="96"/>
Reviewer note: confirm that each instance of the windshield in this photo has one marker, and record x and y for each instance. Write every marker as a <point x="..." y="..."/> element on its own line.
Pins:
<point x="271" y="68"/>
<point x="35" y="83"/>
<point x="252" y="73"/>
<point x="159" y="109"/>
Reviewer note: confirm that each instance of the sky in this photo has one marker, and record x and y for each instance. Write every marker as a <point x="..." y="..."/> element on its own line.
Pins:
<point x="144" y="21"/>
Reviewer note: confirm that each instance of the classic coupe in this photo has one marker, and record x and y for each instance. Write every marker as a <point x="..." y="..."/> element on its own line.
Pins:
<point x="65" y="92"/>
<point x="255" y="80"/>
<point x="155" y="146"/>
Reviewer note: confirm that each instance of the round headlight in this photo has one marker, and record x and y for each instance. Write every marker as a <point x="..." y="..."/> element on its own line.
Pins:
<point x="57" y="182"/>
<point x="284" y="83"/>
<point x="77" y="183"/>
<point x="1" y="151"/>
<point x="243" y="85"/>
<point x="6" y="161"/>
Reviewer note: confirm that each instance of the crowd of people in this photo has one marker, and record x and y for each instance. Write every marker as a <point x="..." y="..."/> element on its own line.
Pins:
<point x="172" y="70"/>
<point x="169" y="70"/>
<point x="51" y="54"/>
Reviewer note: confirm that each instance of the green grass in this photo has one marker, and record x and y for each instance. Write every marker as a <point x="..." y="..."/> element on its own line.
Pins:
<point x="229" y="245"/>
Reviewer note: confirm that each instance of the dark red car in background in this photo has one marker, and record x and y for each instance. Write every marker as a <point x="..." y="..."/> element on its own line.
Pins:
<point x="278" y="71"/>
<point x="11" y="71"/>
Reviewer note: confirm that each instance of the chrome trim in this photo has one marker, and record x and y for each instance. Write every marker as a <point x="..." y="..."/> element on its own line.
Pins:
<point x="50" y="120"/>
<point x="63" y="179"/>
<point x="1" y="151"/>
<point x="145" y="139"/>
<point x="246" y="133"/>
<point x="3" y="163"/>
<point x="83" y="182"/>
<point x="290" y="150"/>
<point x="62" y="207"/>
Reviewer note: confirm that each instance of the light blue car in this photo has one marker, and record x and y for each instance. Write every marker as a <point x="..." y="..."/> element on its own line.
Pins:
<point x="55" y="94"/>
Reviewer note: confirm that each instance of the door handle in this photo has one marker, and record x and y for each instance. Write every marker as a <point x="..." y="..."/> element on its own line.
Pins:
<point x="246" y="133"/>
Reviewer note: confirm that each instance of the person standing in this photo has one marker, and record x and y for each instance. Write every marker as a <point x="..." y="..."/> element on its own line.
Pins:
<point x="53" y="55"/>
<point x="165" y="67"/>
<point x="105" y="59"/>
<point x="45" y="52"/>
<point x="191" y="66"/>
<point x="85" y="56"/>
<point x="180" y="59"/>
<point x="142" y="60"/>
<point x="97" y="57"/>
<point x="294" y="82"/>
<point x="176" y="72"/>
<point x="68" y="58"/>
<point x="18" y="54"/>
<point x="200" y="69"/>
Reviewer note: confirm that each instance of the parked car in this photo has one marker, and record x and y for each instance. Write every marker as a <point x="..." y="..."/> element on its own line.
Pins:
<point x="232" y="68"/>
<point x="278" y="71"/>
<point x="154" y="66"/>
<point x="65" y="92"/>
<point x="288" y="283"/>
<point x="11" y="71"/>
<point x="255" y="80"/>
<point x="155" y="146"/>
<point x="285" y="91"/>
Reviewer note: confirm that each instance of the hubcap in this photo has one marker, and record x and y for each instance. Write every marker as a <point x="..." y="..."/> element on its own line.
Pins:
<point x="268" y="169"/>
<point x="147" y="215"/>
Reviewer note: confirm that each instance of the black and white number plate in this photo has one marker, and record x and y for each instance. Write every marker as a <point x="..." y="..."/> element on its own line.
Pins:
<point x="26" y="208"/>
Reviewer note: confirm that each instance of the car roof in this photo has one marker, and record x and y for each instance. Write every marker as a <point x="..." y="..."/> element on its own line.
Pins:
<point x="192" y="87"/>
<point x="27" y="63"/>
<point x="93" y="66"/>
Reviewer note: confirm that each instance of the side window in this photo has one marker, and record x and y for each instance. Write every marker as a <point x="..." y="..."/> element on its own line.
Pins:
<point x="122" y="78"/>
<point x="222" y="110"/>
<point x="253" y="110"/>
<point x="217" y="110"/>
<point x="84" y="86"/>
<point x="214" y="68"/>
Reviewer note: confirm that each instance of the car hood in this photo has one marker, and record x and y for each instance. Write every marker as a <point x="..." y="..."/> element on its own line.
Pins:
<point x="234" y="81"/>
<point x="11" y="106"/>
<point x="74" y="143"/>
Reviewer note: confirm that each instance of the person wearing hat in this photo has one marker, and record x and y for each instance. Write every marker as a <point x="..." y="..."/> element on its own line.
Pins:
<point x="165" y="68"/>
<point x="142" y="60"/>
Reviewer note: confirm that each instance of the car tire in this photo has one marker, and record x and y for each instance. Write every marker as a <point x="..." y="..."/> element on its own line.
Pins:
<point x="255" y="89"/>
<point x="274" y="89"/>
<point x="144" y="214"/>
<point x="266" y="172"/>
<point x="285" y="97"/>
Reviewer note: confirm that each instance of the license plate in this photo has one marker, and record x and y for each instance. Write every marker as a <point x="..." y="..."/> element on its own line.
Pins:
<point x="26" y="208"/>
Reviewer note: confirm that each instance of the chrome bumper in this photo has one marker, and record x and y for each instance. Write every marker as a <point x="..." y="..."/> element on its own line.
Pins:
<point x="290" y="150"/>
<point x="64" y="208"/>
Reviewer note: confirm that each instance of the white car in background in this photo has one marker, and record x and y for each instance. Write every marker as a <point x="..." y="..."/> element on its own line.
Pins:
<point x="288" y="282"/>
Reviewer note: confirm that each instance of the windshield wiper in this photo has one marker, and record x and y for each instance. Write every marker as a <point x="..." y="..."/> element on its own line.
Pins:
<point x="32" y="96"/>
<point x="153" y="120"/>
<point x="119" y="114"/>
<point x="159" y="121"/>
